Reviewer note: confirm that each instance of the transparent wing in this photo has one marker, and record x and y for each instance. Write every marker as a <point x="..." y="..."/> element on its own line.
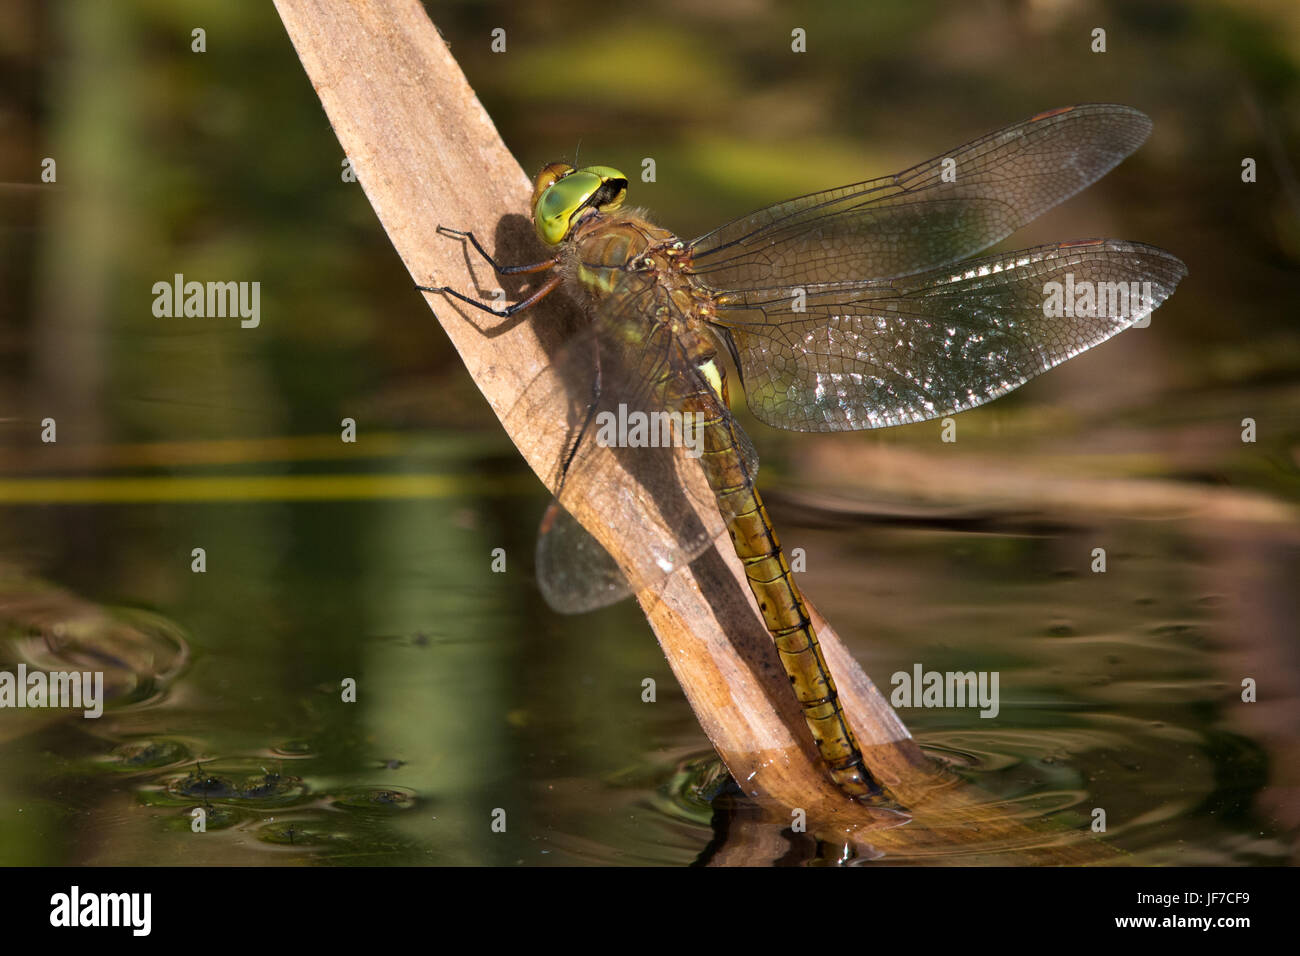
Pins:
<point x="574" y="571"/>
<point x="891" y="351"/>
<point x="619" y="381"/>
<point x="943" y="210"/>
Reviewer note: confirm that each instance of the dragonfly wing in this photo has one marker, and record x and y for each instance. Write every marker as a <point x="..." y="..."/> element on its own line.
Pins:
<point x="574" y="571"/>
<point x="888" y="352"/>
<point x="943" y="210"/>
<point x="619" y="381"/>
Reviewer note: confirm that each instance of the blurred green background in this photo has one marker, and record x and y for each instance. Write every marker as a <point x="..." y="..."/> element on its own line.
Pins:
<point x="221" y="165"/>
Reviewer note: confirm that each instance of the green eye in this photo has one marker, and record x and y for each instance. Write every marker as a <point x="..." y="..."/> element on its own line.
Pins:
<point x="561" y="194"/>
<point x="614" y="184"/>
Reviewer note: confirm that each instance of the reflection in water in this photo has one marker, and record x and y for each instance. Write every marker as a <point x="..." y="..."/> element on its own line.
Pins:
<point x="473" y="702"/>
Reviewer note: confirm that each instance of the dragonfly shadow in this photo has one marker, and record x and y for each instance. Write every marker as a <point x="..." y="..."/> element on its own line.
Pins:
<point x="653" y="503"/>
<point x="513" y="243"/>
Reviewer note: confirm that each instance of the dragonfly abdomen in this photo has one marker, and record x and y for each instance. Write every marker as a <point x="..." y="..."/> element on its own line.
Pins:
<point x="783" y="609"/>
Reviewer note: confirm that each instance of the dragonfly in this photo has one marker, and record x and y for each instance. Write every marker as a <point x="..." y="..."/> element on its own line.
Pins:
<point x="850" y="308"/>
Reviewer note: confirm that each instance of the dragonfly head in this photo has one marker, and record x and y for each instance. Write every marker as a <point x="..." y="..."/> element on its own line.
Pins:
<point x="562" y="195"/>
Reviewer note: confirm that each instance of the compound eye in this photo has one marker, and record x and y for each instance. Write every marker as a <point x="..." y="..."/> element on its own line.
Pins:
<point x="551" y="174"/>
<point x="613" y="187"/>
<point x="561" y="197"/>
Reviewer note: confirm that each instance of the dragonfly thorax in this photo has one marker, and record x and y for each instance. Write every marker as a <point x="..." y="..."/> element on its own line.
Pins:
<point x="626" y="255"/>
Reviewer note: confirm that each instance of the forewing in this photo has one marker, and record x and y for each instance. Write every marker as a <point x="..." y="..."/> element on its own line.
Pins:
<point x="938" y="212"/>
<point x="889" y="352"/>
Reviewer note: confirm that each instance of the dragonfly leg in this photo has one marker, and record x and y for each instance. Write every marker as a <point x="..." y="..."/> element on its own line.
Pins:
<point x="496" y="266"/>
<point x="542" y="291"/>
<point x="586" y="421"/>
